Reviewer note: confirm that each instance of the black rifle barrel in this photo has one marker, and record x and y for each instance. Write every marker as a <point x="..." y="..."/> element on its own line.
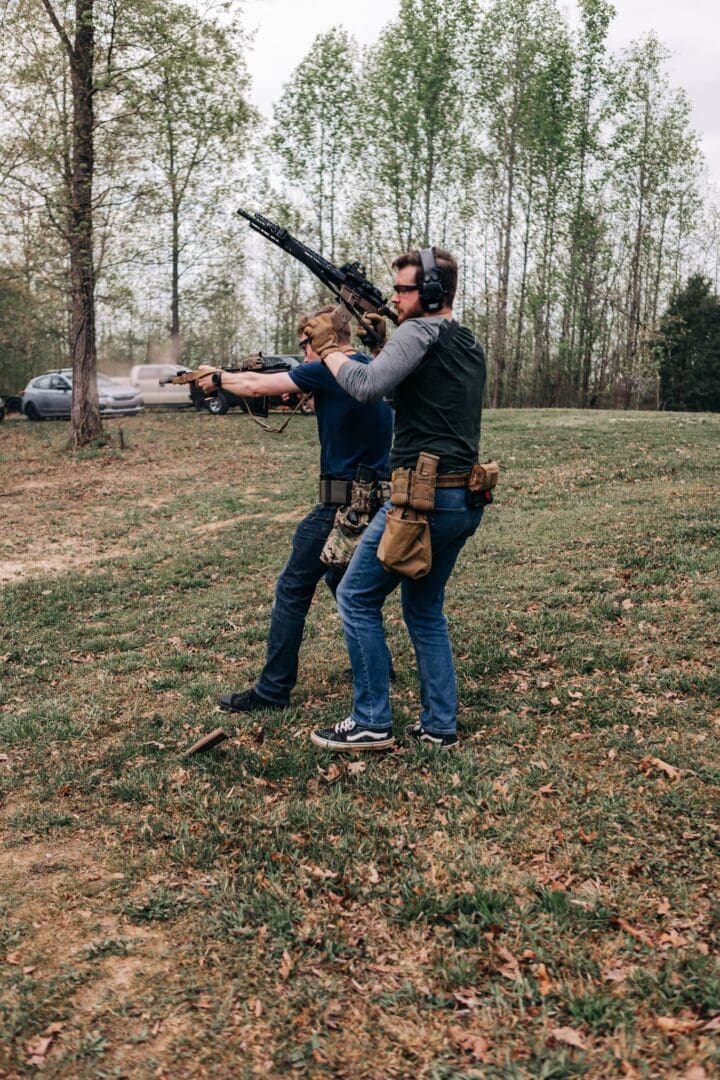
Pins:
<point x="335" y="278"/>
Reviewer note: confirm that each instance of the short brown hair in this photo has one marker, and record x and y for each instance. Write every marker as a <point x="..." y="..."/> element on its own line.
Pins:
<point x="447" y="270"/>
<point x="343" y="335"/>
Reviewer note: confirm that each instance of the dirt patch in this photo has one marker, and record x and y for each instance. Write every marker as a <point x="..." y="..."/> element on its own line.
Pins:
<point x="41" y="563"/>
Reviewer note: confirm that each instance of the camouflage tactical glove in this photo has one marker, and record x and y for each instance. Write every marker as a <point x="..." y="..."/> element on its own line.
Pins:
<point x="323" y="338"/>
<point x="379" y="327"/>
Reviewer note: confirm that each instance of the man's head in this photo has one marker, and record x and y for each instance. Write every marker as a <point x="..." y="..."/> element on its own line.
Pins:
<point x="343" y="335"/>
<point x="408" y="279"/>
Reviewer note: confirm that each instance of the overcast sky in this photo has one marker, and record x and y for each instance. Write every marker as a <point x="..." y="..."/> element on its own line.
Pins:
<point x="285" y="30"/>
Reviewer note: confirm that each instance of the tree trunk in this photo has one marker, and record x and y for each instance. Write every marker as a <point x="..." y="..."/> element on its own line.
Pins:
<point x="85" y="423"/>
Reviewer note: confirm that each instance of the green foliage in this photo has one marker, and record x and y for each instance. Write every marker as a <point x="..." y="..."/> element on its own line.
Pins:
<point x="689" y="350"/>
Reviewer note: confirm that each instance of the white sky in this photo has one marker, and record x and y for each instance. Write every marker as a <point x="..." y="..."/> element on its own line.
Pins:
<point x="690" y="28"/>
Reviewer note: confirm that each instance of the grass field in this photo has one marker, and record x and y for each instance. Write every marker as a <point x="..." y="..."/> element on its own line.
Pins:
<point x="543" y="903"/>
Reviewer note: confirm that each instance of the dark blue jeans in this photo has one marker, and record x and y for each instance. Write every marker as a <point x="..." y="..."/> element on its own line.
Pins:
<point x="361" y="596"/>
<point x="294" y="592"/>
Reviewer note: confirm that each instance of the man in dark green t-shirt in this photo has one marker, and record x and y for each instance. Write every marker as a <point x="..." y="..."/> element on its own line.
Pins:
<point x="433" y="371"/>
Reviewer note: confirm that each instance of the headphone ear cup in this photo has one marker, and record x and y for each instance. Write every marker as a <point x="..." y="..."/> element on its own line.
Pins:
<point x="430" y="291"/>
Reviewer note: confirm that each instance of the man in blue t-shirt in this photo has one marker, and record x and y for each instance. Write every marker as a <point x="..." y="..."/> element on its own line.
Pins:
<point x="351" y="435"/>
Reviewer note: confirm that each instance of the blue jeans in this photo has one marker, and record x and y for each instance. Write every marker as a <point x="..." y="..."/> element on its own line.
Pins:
<point x="294" y="592"/>
<point x="360" y="598"/>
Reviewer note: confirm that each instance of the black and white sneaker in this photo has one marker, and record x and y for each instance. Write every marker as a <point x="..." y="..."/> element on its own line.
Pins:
<point x="418" y="734"/>
<point x="348" y="736"/>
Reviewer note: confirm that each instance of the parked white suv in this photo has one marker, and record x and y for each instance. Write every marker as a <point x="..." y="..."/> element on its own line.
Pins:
<point x="150" y="381"/>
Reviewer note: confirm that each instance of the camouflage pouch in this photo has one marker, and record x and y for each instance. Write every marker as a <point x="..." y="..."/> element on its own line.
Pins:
<point x="351" y="521"/>
<point x="344" y="537"/>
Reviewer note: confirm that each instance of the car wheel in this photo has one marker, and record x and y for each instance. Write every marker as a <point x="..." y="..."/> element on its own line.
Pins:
<point x="31" y="411"/>
<point x="218" y="404"/>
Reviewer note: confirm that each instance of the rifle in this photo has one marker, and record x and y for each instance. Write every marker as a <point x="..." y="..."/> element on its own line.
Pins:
<point x="255" y="407"/>
<point x="351" y="288"/>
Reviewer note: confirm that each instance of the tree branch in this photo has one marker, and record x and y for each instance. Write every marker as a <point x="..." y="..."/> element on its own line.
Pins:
<point x="59" y="27"/>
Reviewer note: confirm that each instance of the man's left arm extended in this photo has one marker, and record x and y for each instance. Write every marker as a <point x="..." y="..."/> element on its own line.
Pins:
<point x="251" y="383"/>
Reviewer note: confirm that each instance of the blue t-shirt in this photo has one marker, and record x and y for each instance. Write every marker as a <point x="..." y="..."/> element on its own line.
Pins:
<point x="351" y="434"/>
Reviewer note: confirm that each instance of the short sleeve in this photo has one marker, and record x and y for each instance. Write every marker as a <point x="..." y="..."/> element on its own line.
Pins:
<point x="312" y="376"/>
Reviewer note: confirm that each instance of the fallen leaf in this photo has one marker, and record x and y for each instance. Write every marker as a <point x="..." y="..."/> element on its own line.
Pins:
<point x="467" y="998"/>
<point x="286" y="965"/>
<point x="41" y="1047"/>
<point x="695" y="1072"/>
<point x="648" y="763"/>
<point x="547" y="789"/>
<point x="373" y="876"/>
<point x="474" y="1045"/>
<point x="634" y="931"/>
<point x="356" y="767"/>
<point x="675" y="1025"/>
<point x="714" y="1024"/>
<point x="569" y="1036"/>
<point x="617" y="975"/>
<point x="543" y="980"/>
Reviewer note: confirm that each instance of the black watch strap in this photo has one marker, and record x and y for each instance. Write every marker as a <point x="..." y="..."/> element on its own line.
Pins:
<point x="217" y="379"/>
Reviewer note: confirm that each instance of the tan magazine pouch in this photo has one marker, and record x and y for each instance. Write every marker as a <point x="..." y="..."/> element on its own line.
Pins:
<point x="405" y="543"/>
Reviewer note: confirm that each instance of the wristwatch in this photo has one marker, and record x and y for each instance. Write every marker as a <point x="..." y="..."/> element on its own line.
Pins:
<point x="217" y="379"/>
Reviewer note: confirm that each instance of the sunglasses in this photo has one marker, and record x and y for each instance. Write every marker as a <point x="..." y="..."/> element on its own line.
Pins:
<point x="304" y="343"/>
<point x="400" y="289"/>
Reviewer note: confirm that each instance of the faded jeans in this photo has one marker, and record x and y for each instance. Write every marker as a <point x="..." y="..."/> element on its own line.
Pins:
<point x="361" y="595"/>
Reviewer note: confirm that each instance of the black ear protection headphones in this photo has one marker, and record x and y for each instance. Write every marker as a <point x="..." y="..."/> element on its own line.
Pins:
<point x="431" y="291"/>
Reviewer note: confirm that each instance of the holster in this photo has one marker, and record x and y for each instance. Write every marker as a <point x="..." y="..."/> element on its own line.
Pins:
<point x="483" y="477"/>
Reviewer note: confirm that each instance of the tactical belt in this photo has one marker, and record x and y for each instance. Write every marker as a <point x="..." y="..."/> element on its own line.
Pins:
<point x="334" y="492"/>
<point x="452" y="480"/>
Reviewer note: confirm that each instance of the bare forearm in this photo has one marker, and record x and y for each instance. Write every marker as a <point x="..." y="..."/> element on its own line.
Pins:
<point x="244" y="383"/>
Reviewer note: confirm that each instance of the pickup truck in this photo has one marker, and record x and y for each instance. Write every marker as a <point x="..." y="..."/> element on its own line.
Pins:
<point x="148" y="380"/>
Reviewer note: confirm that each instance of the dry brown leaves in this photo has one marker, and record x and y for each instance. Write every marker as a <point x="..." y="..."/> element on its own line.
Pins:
<point x="570" y="1037"/>
<point x="651" y="764"/>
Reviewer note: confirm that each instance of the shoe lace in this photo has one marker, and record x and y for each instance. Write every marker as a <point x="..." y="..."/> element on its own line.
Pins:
<point x="345" y="725"/>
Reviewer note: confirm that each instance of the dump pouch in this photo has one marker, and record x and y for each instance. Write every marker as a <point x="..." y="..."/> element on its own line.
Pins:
<point x="405" y="546"/>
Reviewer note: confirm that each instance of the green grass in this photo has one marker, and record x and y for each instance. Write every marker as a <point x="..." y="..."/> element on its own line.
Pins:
<point x="265" y="910"/>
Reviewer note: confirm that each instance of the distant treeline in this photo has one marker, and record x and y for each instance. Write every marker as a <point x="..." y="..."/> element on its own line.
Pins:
<point x="567" y="180"/>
